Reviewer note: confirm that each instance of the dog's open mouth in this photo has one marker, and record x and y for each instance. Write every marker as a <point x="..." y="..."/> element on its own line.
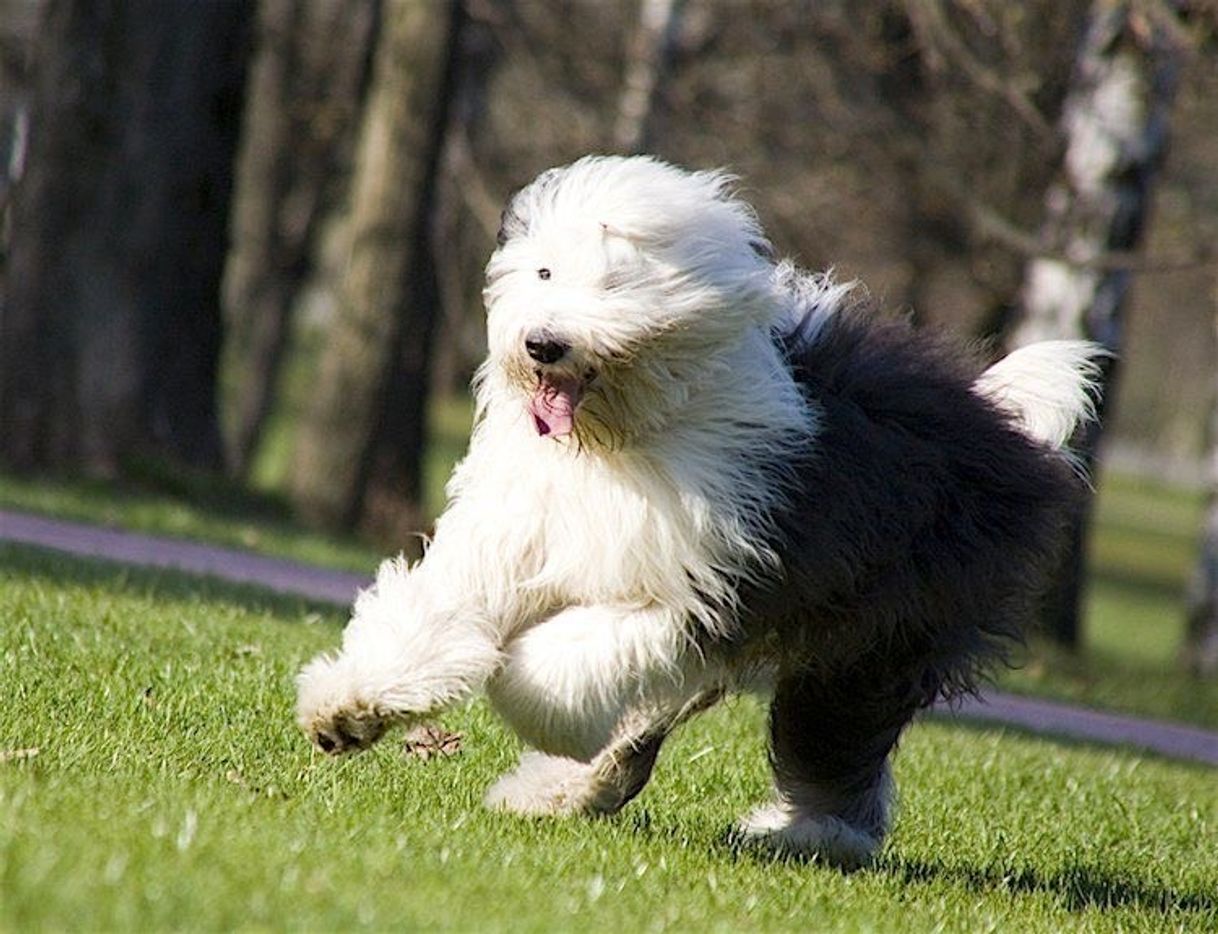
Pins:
<point x="553" y="404"/>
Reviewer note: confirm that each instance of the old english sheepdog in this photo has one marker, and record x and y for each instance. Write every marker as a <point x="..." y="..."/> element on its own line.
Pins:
<point x="695" y="470"/>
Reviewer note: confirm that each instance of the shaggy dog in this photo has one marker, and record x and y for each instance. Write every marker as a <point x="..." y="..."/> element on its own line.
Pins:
<point x="695" y="471"/>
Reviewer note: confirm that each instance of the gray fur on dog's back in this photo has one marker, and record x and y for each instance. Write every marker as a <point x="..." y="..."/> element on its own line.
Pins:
<point x="921" y="526"/>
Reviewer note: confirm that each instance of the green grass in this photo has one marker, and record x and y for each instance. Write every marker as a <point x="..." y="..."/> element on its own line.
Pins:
<point x="171" y="790"/>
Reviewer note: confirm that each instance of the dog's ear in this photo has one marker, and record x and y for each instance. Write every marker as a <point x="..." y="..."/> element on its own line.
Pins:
<point x="513" y="220"/>
<point x="509" y="223"/>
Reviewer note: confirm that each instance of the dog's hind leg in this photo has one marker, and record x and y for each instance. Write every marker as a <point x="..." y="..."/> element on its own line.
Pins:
<point x="830" y="740"/>
<point x="550" y="785"/>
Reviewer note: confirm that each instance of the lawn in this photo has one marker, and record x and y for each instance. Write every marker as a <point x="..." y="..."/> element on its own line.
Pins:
<point x="170" y="789"/>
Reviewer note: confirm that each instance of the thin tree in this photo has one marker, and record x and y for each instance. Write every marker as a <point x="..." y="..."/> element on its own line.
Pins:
<point x="358" y="456"/>
<point x="110" y="330"/>
<point x="305" y="87"/>
<point x="1114" y="122"/>
<point x="1200" y="653"/>
<point x="647" y="57"/>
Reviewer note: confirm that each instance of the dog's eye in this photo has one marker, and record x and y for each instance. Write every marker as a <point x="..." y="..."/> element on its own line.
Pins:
<point x="543" y="273"/>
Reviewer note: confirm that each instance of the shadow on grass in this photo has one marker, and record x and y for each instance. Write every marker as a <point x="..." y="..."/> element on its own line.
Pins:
<point x="23" y="561"/>
<point x="1078" y="887"/>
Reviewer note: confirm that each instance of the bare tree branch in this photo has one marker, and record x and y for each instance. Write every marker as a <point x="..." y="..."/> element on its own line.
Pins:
<point x="941" y="44"/>
<point x="988" y="223"/>
<point x="476" y="195"/>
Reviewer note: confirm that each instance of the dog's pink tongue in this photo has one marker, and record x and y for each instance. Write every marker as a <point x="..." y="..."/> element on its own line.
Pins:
<point x="553" y="405"/>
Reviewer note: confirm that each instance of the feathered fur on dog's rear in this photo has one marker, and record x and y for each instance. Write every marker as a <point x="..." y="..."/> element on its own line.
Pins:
<point x="927" y="515"/>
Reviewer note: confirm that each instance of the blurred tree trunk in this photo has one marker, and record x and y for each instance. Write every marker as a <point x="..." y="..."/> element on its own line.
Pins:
<point x="306" y="84"/>
<point x="110" y="330"/>
<point x="1114" y="122"/>
<point x="1200" y="652"/>
<point x="467" y="211"/>
<point x="18" y="29"/>
<point x="647" y="58"/>
<point x="359" y="449"/>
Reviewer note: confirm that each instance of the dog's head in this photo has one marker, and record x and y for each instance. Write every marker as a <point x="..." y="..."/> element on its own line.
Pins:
<point x="615" y="281"/>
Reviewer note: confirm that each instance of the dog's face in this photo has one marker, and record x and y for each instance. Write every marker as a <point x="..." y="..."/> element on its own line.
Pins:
<point x="615" y="280"/>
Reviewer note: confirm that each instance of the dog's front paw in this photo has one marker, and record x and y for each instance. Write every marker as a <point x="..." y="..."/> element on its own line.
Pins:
<point x="345" y="730"/>
<point x="333" y="711"/>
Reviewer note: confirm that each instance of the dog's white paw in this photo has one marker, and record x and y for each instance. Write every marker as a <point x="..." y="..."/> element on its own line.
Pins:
<point x="544" y="785"/>
<point x="786" y="830"/>
<point x="332" y="711"/>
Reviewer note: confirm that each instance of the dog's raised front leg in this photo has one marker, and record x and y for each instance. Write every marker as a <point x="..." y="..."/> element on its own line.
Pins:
<point x="415" y="644"/>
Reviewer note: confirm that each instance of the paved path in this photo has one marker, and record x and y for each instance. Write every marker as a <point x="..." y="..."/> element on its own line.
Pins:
<point x="1038" y="716"/>
<point x="278" y="574"/>
<point x="1053" y="718"/>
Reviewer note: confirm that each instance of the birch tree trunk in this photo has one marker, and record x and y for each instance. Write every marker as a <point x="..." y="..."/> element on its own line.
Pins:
<point x="18" y="32"/>
<point x="646" y="61"/>
<point x="1114" y="122"/>
<point x="359" y="449"/>
<point x="110" y="331"/>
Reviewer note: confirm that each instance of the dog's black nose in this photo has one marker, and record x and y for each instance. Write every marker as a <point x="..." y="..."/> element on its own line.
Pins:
<point x="545" y="349"/>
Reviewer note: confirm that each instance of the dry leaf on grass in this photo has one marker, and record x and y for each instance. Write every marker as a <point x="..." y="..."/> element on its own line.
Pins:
<point x="16" y="755"/>
<point x="425" y="742"/>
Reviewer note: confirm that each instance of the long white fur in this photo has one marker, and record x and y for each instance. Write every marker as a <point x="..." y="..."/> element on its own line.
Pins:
<point x="566" y="574"/>
<point x="408" y="647"/>
<point x="566" y="681"/>
<point x="1049" y="387"/>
